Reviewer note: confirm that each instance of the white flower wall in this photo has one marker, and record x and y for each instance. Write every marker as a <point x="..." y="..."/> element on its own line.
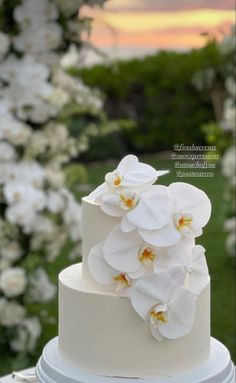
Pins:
<point x="38" y="214"/>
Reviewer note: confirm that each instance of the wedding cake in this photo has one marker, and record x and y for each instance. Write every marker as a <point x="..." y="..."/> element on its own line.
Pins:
<point x="139" y="304"/>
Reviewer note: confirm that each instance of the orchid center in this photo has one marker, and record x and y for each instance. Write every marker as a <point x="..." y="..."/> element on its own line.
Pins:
<point x="159" y="314"/>
<point x="113" y="179"/>
<point x="183" y="221"/>
<point x="122" y="281"/>
<point x="128" y="200"/>
<point x="147" y="255"/>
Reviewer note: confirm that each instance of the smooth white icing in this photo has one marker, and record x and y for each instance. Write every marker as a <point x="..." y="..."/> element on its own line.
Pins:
<point x="101" y="333"/>
<point x="95" y="227"/>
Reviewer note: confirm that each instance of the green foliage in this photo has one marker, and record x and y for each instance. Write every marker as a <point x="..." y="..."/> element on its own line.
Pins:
<point x="75" y="174"/>
<point x="215" y="135"/>
<point x="158" y="93"/>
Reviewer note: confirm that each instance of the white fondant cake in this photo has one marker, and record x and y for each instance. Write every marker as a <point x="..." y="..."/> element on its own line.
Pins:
<point x="139" y="305"/>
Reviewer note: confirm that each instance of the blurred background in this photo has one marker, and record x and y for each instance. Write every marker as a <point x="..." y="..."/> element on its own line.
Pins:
<point x="82" y="83"/>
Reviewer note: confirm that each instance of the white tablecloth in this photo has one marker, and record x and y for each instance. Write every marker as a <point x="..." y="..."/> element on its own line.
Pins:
<point x="8" y="379"/>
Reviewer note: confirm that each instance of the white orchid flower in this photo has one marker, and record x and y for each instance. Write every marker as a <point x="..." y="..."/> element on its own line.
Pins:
<point x="191" y="210"/>
<point x="127" y="252"/>
<point x="105" y="275"/>
<point x="130" y="174"/>
<point x="188" y="256"/>
<point x="166" y="306"/>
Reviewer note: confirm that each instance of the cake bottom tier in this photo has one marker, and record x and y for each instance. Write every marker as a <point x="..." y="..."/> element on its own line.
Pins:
<point x="100" y="332"/>
<point x="217" y="369"/>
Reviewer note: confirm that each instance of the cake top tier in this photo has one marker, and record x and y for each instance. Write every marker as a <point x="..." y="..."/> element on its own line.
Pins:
<point x="150" y="256"/>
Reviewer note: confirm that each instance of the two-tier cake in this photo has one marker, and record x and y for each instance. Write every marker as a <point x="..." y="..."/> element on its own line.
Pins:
<point x="139" y="304"/>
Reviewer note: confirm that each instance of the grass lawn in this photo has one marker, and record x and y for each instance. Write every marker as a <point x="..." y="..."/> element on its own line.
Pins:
<point x="222" y="268"/>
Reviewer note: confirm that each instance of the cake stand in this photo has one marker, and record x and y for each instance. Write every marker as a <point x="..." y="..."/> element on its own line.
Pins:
<point x="218" y="369"/>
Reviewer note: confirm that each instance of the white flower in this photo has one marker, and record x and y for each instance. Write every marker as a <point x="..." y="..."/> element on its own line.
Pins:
<point x="11" y="313"/>
<point x="229" y="165"/>
<point x="17" y="192"/>
<point x="105" y="275"/>
<point x="71" y="58"/>
<point x="192" y="260"/>
<point x="28" y="88"/>
<point x="25" y="71"/>
<point x="32" y="12"/>
<point x="164" y="304"/>
<point x="7" y="152"/>
<point x="230" y="244"/>
<point x="28" y="333"/>
<point x="41" y="289"/>
<point x="191" y="209"/>
<point x="230" y="86"/>
<point x="58" y="97"/>
<point x="56" y="135"/>
<point x="227" y="45"/>
<point x="31" y="173"/>
<point x="42" y="225"/>
<point x="21" y="214"/>
<point x="4" y="107"/>
<point x="4" y="172"/>
<point x="13" y="130"/>
<point x="230" y="224"/>
<point x="72" y="215"/>
<point x="37" y="40"/>
<point x="127" y="252"/>
<point x="13" y="282"/>
<point x="55" y="203"/>
<point x="229" y="115"/>
<point x="39" y="113"/>
<point x="130" y="173"/>
<point x="55" y="177"/>
<point x="4" y="44"/>
<point x="11" y="251"/>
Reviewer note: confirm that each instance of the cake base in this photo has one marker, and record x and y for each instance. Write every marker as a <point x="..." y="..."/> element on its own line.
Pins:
<point x="218" y="369"/>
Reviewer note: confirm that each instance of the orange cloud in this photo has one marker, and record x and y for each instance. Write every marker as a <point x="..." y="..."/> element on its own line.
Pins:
<point x="176" y="29"/>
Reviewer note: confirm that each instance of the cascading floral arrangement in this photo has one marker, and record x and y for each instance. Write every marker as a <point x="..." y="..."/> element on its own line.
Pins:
<point x="150" y="256"/>
<point x="39" y="41"/>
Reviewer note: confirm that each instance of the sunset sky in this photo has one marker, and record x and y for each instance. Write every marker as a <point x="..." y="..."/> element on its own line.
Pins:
<point x="159" y="24"/>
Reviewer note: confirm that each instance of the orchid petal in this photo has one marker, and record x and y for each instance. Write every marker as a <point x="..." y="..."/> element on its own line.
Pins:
<point x="199" y="276"/>
<point x="127" y="163"/>
<point x="98" y="192"/>
<point x="139" y="273"/>
<point x="166" y="236"/>
<point x="148" y="292"/>
<point x="110" y="205"/>
<point x="189" y="199"/>
<point x="155" y="289"/>
<point x="176" y="255"/>
<point x="126" y="226"/>
<point x="154" y="329"/>
<point x="161" y="172"/>
<point x="181" y="315"/>
<point x="139" y="174"/>
<point x="100" y="270"/>
<point x="121" y="250"/>
<point x="152" y="212"/>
